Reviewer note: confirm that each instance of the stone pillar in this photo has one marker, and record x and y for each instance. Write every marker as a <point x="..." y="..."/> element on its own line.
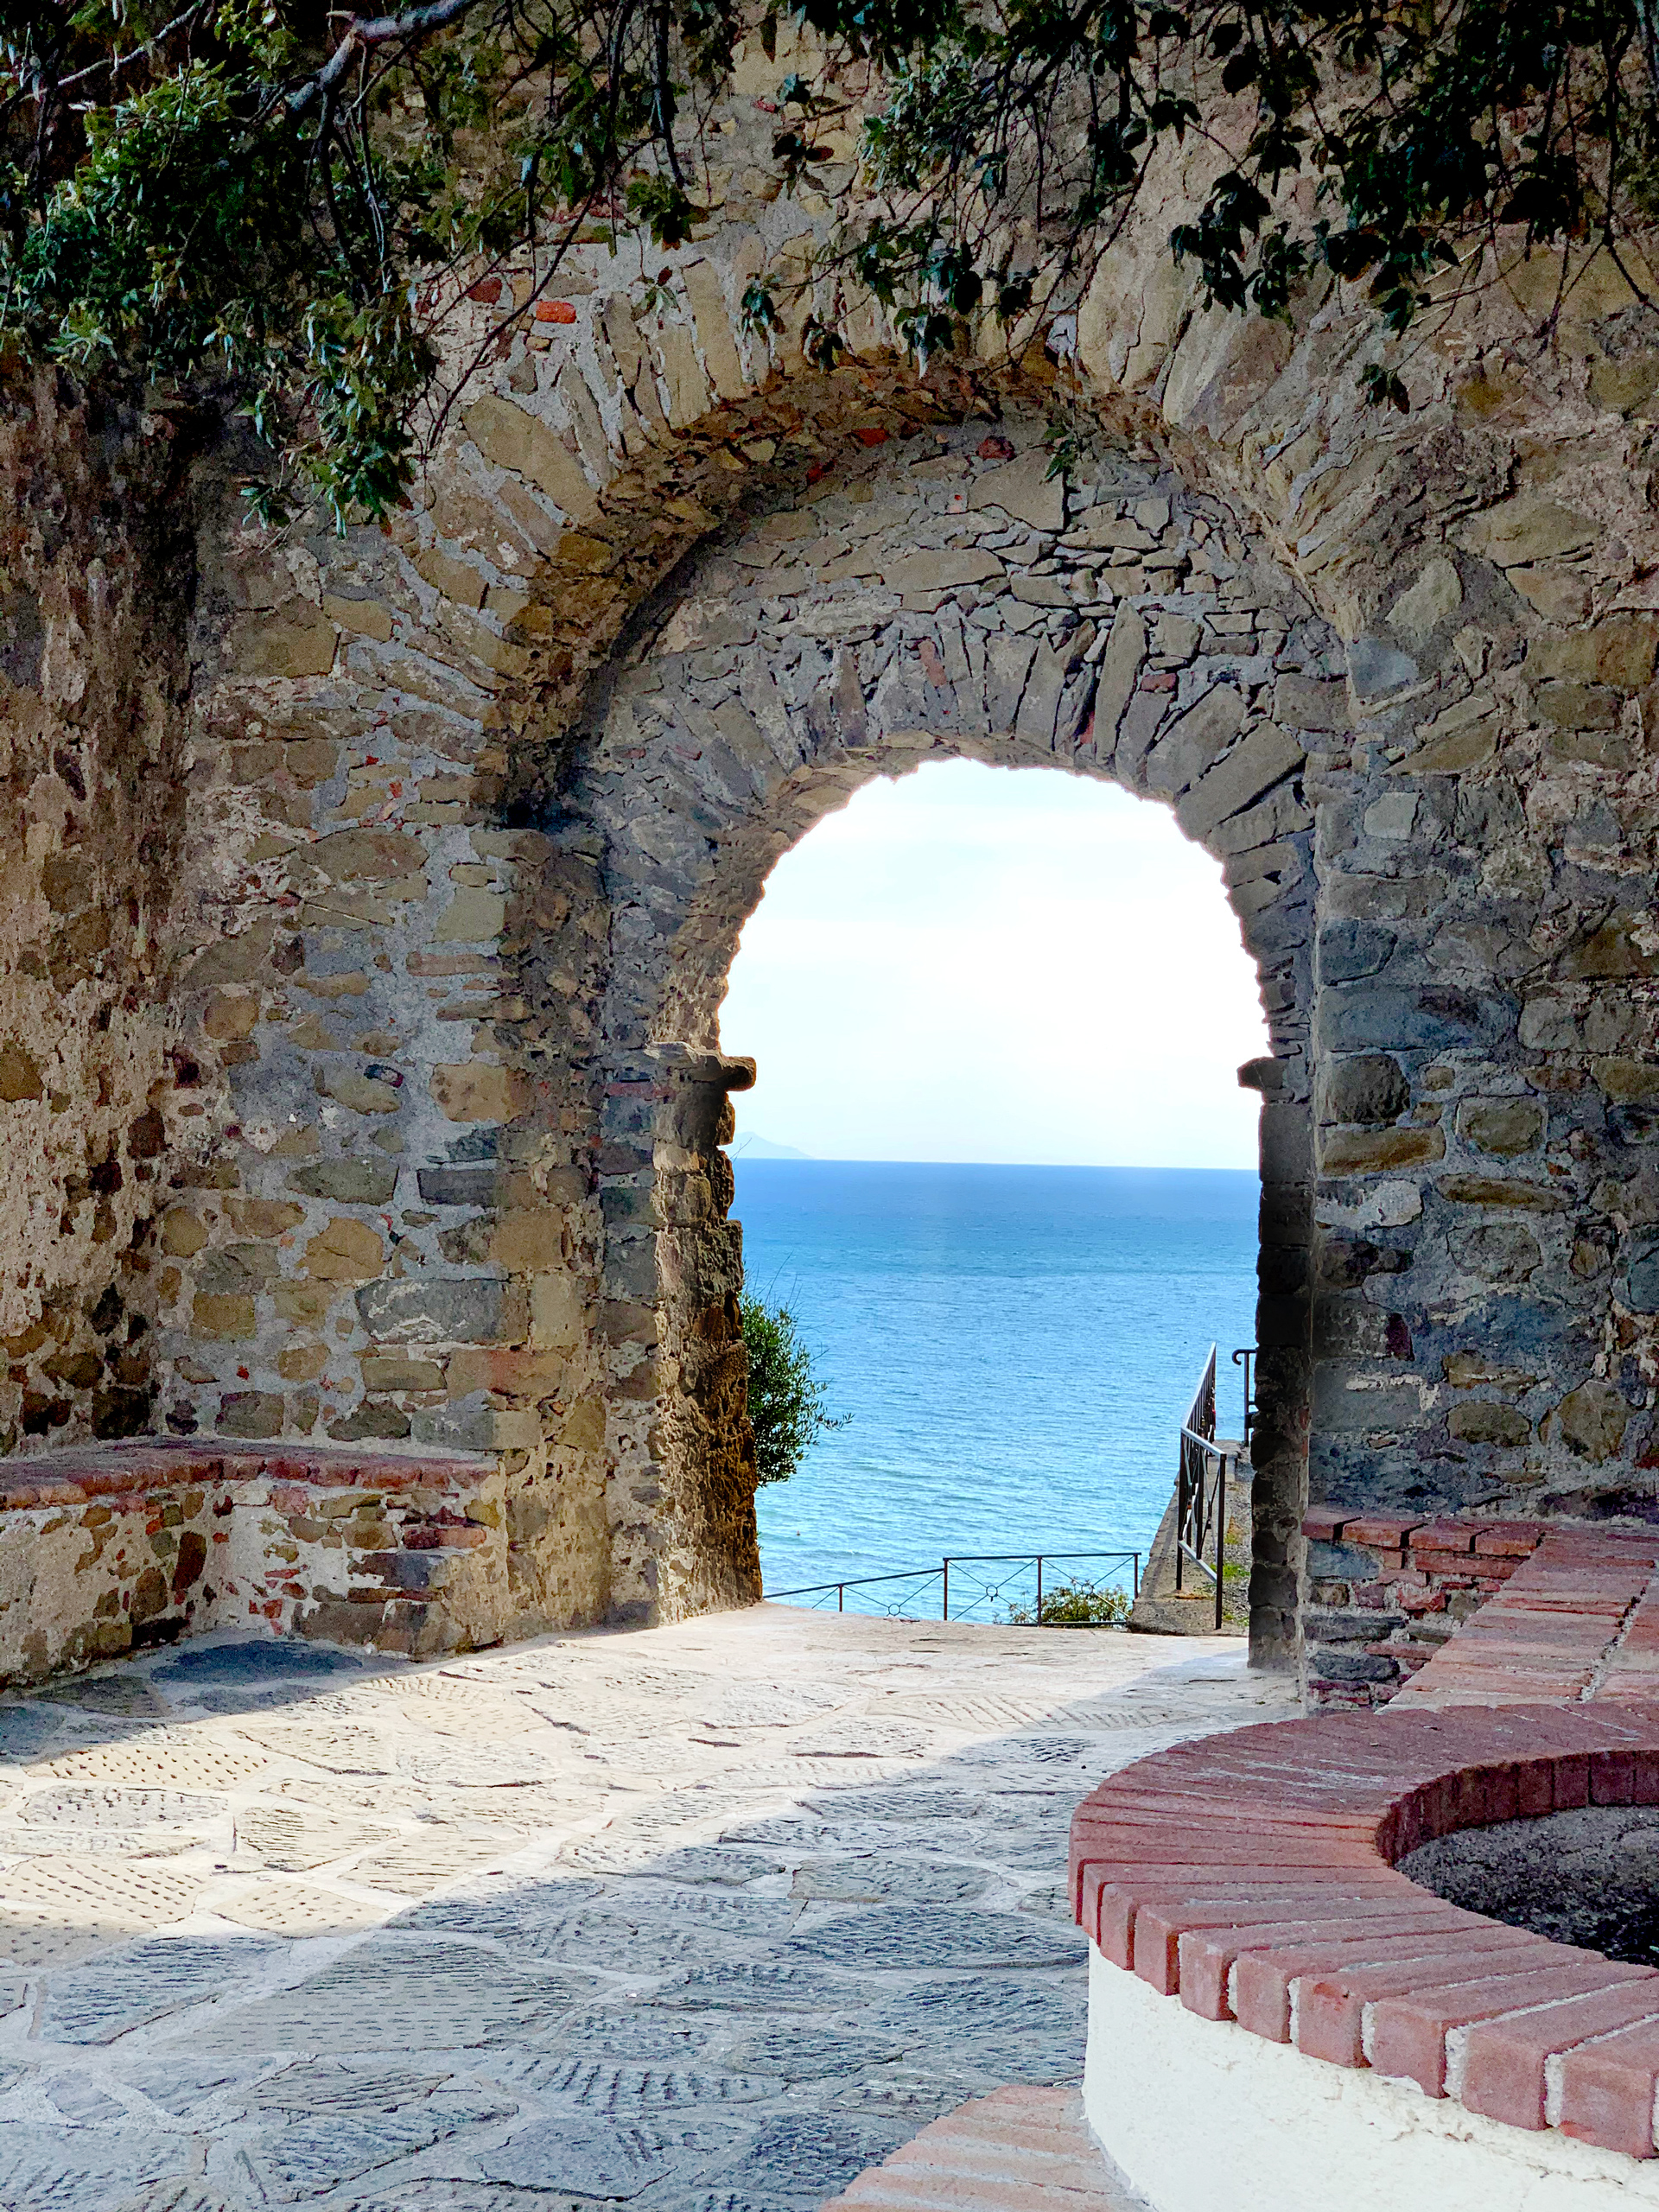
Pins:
<point x="1279" y="1441"/>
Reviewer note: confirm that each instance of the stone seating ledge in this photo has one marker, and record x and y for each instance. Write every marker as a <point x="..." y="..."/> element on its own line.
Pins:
<point x="105" y="1548"/>
<point x="82" y="1473"/>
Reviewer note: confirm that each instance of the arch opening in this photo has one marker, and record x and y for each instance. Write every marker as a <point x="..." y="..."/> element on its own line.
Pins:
<point x="999" y="1014"/>
<point x="953" y="603"/>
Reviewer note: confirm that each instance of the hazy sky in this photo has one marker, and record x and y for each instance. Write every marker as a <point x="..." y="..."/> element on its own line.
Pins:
<point x="998" y="964"/>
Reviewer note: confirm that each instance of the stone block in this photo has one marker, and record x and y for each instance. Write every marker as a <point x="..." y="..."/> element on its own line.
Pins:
<point x="385" y="1372"/>
<point x="263" y="1217"/>
<point x="457" y="1309"/>
<point x="510" y="1374"/>
<point x="1024" y="489"/>
<point x="1437" y="595"/>
<point x="1120" y="670"/>
<point x="1336" y="1562"/>
<point x="277" y="645"/>
<point x="1311" y="704"/>
<point x="1377" y="671"/>
<point x="1573" y="706"/>
<point x="527" y="1238"/>
<point x="1362" y="1016"/>
<point x="350" y="1087"/>
<point x="458" y="1186"/>
<point x="945" y="571"/>
<point x="1194" y="741"/>
<point x="250" y="1413"/>
<point x="1341" y="1666"/>
<point x="1482" y="1421"/>
<point x="1642" y="1278"/>
<point x="1501" y="1190"/>
<point x="1528" y="528"/>
<point x="20" y="1074"/>
<point x="1461" y="738"/>
<point x="1369" y="1088"/>
<point x="1359" y="1152"/>
<point x="474" y="1090"/>
<point x="1618" y="650"/>
<point x="1627" y="1081"/>
<point x="1501" y="1125"/>
<point x="1007" y="662"/>
<point x="472" y="917"/>
<point x="557" y="1311"/>
<point x="513" y="438"/>
<point x="1263" y="757"/>
<point x="356" y="1182"/>
<point x="223" y="1317"/>
<point x="345" y="1250"/>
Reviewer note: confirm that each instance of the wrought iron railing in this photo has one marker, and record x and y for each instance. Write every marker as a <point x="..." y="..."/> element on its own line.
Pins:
<point x="1246" y="1356"/>
<point x="963" y="1590"/>
<point x="1201" y="1491"/>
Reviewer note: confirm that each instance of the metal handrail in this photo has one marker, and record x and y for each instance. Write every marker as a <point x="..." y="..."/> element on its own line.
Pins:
<point x="940" y="1573"/>
<point x="1245" y="1357"/>
<point x="1201" y="1488"/>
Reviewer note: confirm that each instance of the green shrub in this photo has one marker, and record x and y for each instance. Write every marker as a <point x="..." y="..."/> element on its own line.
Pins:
<point x="1074" y="1605"/>
<point x="789" y="1409"/>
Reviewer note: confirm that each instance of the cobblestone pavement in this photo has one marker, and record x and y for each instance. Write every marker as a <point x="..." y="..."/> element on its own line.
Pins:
<point x="699" y="1919"/>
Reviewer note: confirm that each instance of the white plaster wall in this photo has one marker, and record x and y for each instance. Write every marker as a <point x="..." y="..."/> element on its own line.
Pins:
<point x="1204" y="2117"/>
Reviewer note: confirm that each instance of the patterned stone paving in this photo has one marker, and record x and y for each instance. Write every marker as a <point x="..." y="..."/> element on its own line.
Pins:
<point x="702" y="1919"/>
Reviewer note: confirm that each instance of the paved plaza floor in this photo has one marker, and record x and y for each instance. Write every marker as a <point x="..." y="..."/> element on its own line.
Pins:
<point x="699" y="1919"/>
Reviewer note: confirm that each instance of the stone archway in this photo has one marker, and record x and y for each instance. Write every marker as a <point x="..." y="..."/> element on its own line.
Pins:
<point x="394" y="1189"/>
<point x="943" y="598"/>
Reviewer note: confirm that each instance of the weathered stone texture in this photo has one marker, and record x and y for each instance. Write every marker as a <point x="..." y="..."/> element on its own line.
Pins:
<point x="95" y="567"/>
<point x="481" y="803"/>
<point x="105" y="1552"/>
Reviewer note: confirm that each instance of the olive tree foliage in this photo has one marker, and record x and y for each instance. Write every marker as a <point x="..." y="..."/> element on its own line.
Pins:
<point x="789" y="1407"/>
<point x="279" y="205"/>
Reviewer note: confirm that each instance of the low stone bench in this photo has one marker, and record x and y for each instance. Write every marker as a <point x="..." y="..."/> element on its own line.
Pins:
<point x="120" y="1545"/>
<point x="1338" y="2032"/>
<point x="1385" y="1591"/>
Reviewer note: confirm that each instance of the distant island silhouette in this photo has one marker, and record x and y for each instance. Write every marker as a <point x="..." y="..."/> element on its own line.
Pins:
<point x="749" y="1144"/>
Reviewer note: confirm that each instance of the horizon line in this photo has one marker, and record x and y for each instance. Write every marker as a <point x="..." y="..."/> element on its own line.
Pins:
<point x="1096" y="1166"/>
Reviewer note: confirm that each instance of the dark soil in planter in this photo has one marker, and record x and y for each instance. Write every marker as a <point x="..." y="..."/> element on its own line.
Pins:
<point x="1590" y="1877"/>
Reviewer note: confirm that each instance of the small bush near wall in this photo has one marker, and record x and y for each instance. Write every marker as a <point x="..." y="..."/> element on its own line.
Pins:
<point x="789" y="1407"/>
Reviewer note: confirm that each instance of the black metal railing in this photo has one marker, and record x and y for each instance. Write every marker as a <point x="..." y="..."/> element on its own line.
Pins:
<point x="1245" y="1357"/>
<point x="1201" y="1490"/>
<point x="965" y="1591"/>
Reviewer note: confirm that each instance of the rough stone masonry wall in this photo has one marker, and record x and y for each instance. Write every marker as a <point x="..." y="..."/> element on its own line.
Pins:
<point x="459" y="884"/>
<point x="1484" y="1032"/>
<point x="519" y="1022"/>
<point x="108" y="1548"/>
<point x="96" y="563"/>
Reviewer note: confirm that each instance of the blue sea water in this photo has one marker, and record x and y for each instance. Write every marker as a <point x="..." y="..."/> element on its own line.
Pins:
<point x="1016" y="1347"/>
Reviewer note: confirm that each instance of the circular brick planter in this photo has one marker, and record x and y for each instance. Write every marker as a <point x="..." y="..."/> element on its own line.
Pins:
<point x="1275" y="2008"/>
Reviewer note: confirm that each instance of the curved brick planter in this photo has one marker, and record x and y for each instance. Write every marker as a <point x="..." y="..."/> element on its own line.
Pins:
<point x="1254" y="1935"/>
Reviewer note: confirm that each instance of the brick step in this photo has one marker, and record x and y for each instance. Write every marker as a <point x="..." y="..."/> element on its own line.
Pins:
<point x="1018" y="2150"/>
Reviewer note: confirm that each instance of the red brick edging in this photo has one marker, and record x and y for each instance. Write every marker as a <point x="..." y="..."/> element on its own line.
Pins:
<point x="80" y="1474"/>
<point x="1251" y="1876"/>
<point x="143" y="1541"/>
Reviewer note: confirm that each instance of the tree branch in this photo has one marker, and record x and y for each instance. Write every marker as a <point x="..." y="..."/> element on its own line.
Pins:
<point x="363" y="32"/>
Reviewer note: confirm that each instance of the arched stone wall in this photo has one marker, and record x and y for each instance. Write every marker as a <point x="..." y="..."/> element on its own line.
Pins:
<point x="394" y="1197"/>
<point x="473" y="1190"/>
<point x="934" y="598"/>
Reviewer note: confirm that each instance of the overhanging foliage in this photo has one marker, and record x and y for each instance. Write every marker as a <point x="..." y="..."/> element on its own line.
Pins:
<point x="281" y="206"/>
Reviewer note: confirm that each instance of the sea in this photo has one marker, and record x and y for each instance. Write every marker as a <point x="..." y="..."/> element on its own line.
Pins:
<point x="1013" y="1351"/>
